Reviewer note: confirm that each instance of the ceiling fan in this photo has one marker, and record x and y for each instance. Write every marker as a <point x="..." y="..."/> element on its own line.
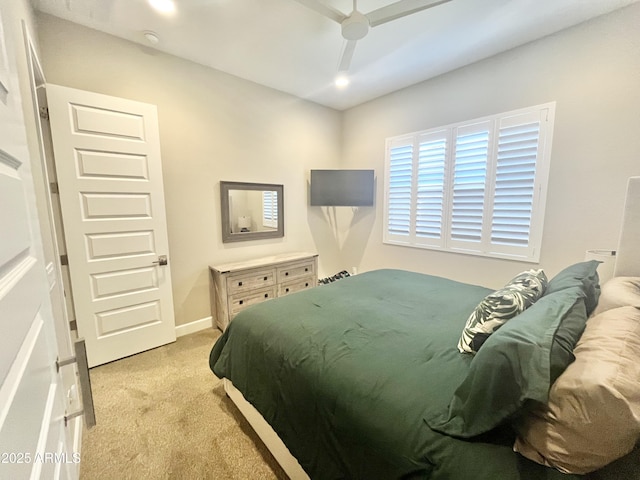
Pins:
<point x="355" y="26"/>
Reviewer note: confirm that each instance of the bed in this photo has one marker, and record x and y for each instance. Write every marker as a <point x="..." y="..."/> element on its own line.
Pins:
<point x="362" y="379"/>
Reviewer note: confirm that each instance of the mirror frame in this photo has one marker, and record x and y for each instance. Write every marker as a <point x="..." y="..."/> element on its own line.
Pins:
<point x="227" y="235"/>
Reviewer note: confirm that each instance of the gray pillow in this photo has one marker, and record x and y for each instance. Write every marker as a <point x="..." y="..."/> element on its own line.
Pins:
<point x="498" y="307"/>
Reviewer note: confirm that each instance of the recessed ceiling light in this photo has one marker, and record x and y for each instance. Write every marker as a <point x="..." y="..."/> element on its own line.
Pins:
<point x="163" y="6"/>
<point x="342" y="80"/>
<point x="151" y="37"/>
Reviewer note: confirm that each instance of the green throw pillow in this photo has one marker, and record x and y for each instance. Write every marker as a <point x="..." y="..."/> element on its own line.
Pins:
<point x="518" y="363"/>
<point x="583" y="275"/>
<point x="498" y="307"/>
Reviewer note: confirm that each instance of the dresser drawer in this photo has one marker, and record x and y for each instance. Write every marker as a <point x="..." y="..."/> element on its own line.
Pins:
<point x="235" y="286"/>
<point x="250" y="281"/>
<point x="295" y="270"/>
<point x="240" y="301"/>
<point x="295" y="286"/>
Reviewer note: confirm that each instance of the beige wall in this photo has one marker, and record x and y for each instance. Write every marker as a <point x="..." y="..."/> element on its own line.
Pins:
<point x="213" y="127"/>
<point x="217" y="127"/>
<point x="592" y="71"/>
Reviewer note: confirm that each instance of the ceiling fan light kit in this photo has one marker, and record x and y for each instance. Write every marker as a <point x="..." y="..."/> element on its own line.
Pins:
<point x="355" y="26"/>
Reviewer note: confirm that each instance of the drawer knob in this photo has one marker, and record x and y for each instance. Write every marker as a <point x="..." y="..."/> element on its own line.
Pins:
<point x="241" y="302"/>
<point x="287" y="290"/>
<point x="286" y="274"/>
<point x="306" y="269"/>
<point x="239" y="284"/>
<point x="266" y="295"/>
<point x="265" y="279"/>
<point x="306" y="284"/>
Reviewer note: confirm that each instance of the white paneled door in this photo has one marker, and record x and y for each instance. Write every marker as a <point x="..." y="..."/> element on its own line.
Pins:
<point x="107" y="156"/>
<point x="32" y="400"/>
<point x="35" y="440"/>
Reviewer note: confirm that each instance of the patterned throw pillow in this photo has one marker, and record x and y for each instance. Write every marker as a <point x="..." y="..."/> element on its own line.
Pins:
<point x="498" y="307"/>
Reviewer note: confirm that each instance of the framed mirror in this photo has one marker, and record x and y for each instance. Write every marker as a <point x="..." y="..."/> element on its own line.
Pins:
<point x="251" y="211"/>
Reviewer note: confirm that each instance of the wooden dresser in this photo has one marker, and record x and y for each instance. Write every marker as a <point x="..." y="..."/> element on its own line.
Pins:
<point x="235" y="286"/>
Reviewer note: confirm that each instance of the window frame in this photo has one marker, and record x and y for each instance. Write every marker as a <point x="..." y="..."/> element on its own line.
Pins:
<point x="486" y="247"/>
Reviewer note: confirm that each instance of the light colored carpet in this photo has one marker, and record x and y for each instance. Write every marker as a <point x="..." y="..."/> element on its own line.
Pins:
<point x="162" y="414"/>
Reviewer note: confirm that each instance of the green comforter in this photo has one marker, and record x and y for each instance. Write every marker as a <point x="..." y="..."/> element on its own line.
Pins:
<point x="346" y="373"/>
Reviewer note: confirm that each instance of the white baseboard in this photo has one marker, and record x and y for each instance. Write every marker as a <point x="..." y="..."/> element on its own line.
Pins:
<point x="193" y="327"/>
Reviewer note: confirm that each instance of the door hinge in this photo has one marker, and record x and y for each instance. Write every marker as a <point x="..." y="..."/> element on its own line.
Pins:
<point x="64" y="260"/>
<point x="73" y="325"/>
<point x="44" y="113"/>
<point x="53" y="188"/>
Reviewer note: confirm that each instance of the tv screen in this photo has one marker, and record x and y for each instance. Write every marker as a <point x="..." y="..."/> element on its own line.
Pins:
<point x="344" y="188"/>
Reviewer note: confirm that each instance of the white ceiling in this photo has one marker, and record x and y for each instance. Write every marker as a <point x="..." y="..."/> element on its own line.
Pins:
<point x="287" y="46"/>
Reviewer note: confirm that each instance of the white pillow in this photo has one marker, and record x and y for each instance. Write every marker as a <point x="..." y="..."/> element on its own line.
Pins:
<point x="619" y="292"/>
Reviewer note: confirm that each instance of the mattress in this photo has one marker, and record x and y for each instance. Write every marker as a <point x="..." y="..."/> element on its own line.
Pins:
<point x="347" y="373"/>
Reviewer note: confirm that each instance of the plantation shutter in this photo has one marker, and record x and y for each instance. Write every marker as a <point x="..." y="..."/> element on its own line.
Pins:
<point x="399" y="187"/>
<point x="430" y="188"/>
<point x="469" y="184"/>
<point x="518" y="152"/>
<point x="475" y="187"/>
<point x="270" y="209"/>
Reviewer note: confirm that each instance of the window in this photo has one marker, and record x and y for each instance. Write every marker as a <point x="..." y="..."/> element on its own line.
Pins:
<point x="270" y="208"/>
<point x="476" y="187"/>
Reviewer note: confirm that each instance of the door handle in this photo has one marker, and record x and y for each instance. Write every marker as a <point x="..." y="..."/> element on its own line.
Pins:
<point x="162" y="260"/>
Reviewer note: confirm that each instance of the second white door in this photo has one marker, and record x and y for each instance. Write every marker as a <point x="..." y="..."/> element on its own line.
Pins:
<point x="107" y="156"/>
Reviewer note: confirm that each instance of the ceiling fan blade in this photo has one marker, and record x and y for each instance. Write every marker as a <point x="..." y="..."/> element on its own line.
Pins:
<point x="347" y="55"/>
<point x="400" y="9"/>
<point x="323" y="9"/>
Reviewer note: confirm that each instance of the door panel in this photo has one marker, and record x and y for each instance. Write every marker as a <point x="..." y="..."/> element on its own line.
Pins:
<point x="22" y="425"/>
<point x="107" y="285"/>
<point x="103" y="122"/>
<point x="120" y="245"/>
<point x="113" y="165"/>
<point x="13" y="216"/>
<point x="115" y="206"/>
<point x="127" y="318"/>
<point x="22" y="284"/>
<point x="111" y="194"/>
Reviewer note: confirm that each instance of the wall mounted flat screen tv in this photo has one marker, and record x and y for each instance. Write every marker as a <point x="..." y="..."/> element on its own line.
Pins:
<point x="344" y="188"/>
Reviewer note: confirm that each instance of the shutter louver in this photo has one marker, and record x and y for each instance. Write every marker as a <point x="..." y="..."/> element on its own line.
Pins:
<point x="430" y="194"/>
<point x="470" y="170"/>
<point x="476" y="187"/>
<point x="399" y="201"/>
<point x="514" y="184"/>
<point x="270" y="209"/>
